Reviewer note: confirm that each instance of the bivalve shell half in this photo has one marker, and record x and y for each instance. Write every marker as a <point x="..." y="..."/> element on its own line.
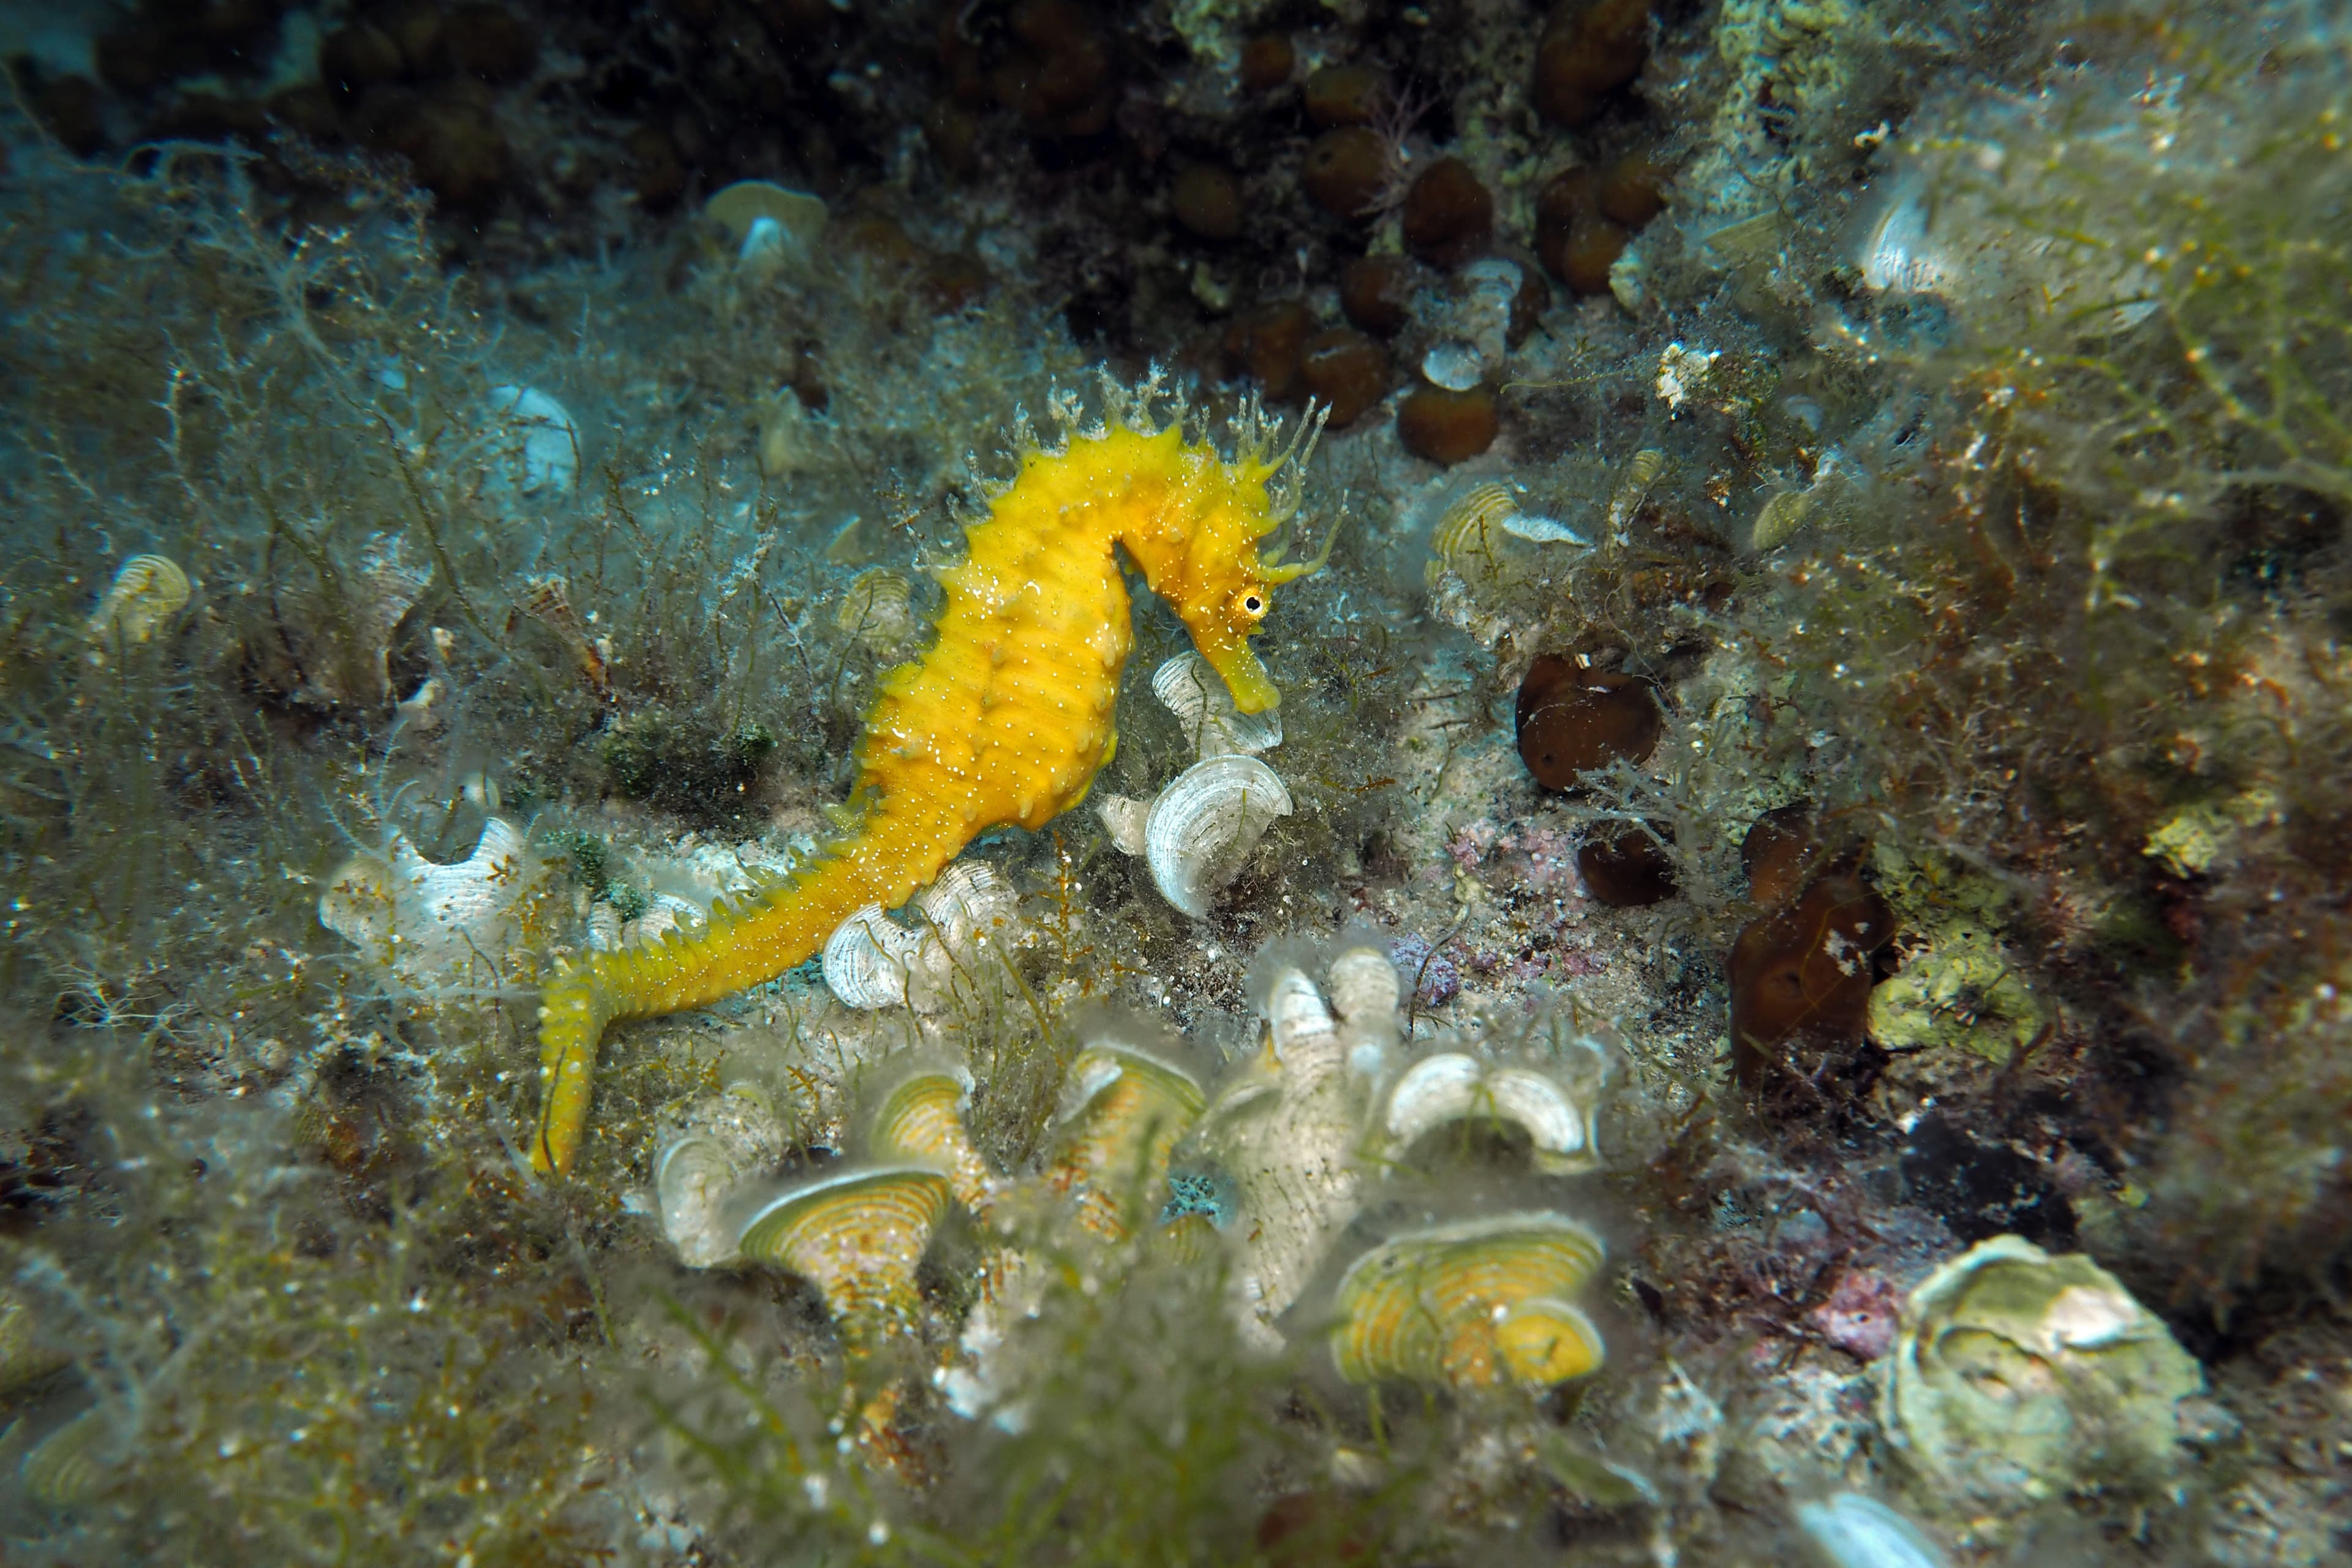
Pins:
<point x="1288" y="1135"/>
<point x="1123" y="1108"/>
<point x="1857" y="1532"/>
<point x="1452" y="1087"/>
<point x="859" y="1236"/>
<point x="23" y="1358"/>
<point x="1204" y="825"/>
<point x="1306" y="1036"/>
<point x="147" y="591"/>
<point x="1478" y="1304"/>
<point x="1365" y="991"/>
<point x="871" y="961"/>
<point x="70" y="1467"/>
<point x="769" y="225"/>
<point x="878" y="610"/>
<point x="1197" y="695"/>
<point x="542" y="439"/>
<point x="968" y="904"/>
<point x="1466" y="532"/>
<point x="919" y="1120"/>
<point x="722" y="1140"/>
<point x="426" y="922"/>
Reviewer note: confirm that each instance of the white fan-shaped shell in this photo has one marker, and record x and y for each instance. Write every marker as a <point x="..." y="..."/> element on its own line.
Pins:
<point x="1289" y="1143"/>
<point x="469" y="893"/>
<point x="1204" y="825"/>
<point x="1453" y="365"/>
<point x="1553" y="1122"/>
<point x="420" y="917"/>
<point x="1301" y="1023"/>
<point x="1452" y="1085"/>
<point x="1196" y="694"/>
<point x="869" y="959"/>
<point x="723" y="1139"/>
<point x="1434" y="1091"/>
<point x="967" y="902"/>
<point x="1364" y="987"/>
<point x="876" y="609"/>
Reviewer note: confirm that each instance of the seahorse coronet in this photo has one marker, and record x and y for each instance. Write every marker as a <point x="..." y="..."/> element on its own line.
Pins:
<point x="1006" y="714"/>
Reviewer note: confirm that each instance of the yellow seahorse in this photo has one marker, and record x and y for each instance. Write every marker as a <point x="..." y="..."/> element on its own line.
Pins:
<point x="1007" y="715"/>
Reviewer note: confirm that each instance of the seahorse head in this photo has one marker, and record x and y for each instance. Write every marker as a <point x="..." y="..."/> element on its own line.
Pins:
<point x="1203" y="555"/>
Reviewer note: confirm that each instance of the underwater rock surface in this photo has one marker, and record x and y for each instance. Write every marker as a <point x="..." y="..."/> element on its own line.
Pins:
<point x="1701" y="918"/>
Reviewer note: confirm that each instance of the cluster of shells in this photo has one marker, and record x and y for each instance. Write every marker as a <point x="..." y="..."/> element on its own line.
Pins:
<point x="1494" y="567"/>
<point x="872" y="961"/>
<point x="1280" y="1166"/>
<point x="1198" y="833"/>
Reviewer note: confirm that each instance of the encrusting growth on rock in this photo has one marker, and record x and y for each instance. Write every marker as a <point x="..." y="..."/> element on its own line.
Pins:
<point x="1005" y="719"/>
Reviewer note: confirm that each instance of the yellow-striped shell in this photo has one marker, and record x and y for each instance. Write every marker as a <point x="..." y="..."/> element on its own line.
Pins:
<point x="1469" y="527"/>
<point x="859" y="1236"/>
<point x="1123" y="1111"/>
<point x="147" y="591"/>
<point x="1642" y="471"/>
<point x="1477" y="1304"/>
<point x="919" y="1120"/>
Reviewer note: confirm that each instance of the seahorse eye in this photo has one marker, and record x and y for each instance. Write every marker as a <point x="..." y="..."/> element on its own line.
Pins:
<point x="1251" y="603"/>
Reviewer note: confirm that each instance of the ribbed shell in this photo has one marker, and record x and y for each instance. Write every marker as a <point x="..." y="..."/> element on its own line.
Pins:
<point x="1452" y="1086"/>
<point x="1365" y="991"/>
<point x="725" y="1139"/>
<point x="968" y="903"/>
<point x="1633" y="489"/>
<point x="23" y="1358"/>
<point x="1857" y="1532"/>
<point x="876" y="610"/>
<point x="1476" y="1304"/>
<point x="70" y="1466"/>
<point x="1189" y="690"/>
<point x="1123" y="1109"/>
<point x="919" y="1120"/>
<point x="1893" y="248"/>
<point x="870" y="961"/>
<point x="1289" y="1140"/>
<point x="147" y="591"/>
<point x="424" y="918"/>
<point x="1305" y="1035"/>
<point x="857" y="1236"/>
<point x="1466" y="531"/>
<point x="1204" y="825"/>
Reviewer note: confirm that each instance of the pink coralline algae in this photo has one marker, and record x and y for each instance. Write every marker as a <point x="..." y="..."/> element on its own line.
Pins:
<point x="1530" y="855"/>
<point x="1470" y="844"/>
<point x="1859" y="1317"/>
